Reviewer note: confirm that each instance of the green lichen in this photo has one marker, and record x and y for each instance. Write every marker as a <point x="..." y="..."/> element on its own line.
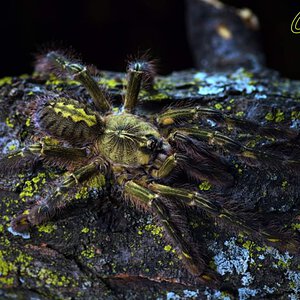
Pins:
<point x="83" y="193"/>
<point x="251" y="143"/>
<point x="278" y="116"/>
<point x="154" y="230"/>
<point x="85" y="230"/>
<point x="218" y="106"/>
<point x="5" y="218"/>
<point x="269" y="116"/>
<point x="88" y="253"/>
<point x="163" y="84"/>
<point x="239" y="169"/>
<point x="5" y="80"/>
<point x="296" y="226"/>
<point x="47" y="228"/>
<point x="96" y="182"/>
<point x="157" y="96"/>
<point x="54" y="278"/>
<point x="24" y="76"/>
<point x="295" y="115"/>
<point x="10" y="262"/>
<point x="53" y="80"/>
<point x="12" y="147"/>
<point x="33" y="186"/>
<point x="248" y="245"/>
<point x="284" y="264"/>
<point x="284" y="184"/>
<point x="205" y="186"/>
<point x="240" y="114"/>
<point x="168" y="248"/>
<point x="194" y="225"/>
<point x="9" y="122"/>
<point x="6" y="267"/>
<point x="111" y="82"/>
<point x="27" y="123"/>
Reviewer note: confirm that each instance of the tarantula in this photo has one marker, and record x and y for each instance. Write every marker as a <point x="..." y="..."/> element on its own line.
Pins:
<point x="155" y="162"/>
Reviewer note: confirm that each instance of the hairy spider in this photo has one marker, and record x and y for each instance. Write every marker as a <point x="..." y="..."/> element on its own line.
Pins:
<point x="154" y="161"/>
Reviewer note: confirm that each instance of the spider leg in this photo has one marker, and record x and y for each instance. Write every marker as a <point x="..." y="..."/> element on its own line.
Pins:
<point x="46" y="207"/>
<point x="62" y="65"/>
<point x="138" y="72"/>
<point x="166" y="168"/>
<point x="175" y="116"/>
<point x="198" y="163"/>
<point x="198" y="166"/>
<point x="225" y="217"/>
<point x="149" y="200"/>
<point x="53" y="155"/>
<point x="249" y="155"/>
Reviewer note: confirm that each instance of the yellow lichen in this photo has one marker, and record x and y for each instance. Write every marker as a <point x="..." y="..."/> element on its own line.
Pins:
<point x="5" y="80"/>
<point x="27" y="123"/>
<point x="240" y="114"/>
<point x="32" y="186"/>
<point x="12" y="147"/>
<point x="88" y="253"/>
<point x="278" y="116"/>
<point x="205" y="186"/>
<point x="9" y="122"/>
<point x="154" y="229"/>
<point x="85" y="230"/>
<point x="47" y="228"/>
<point x="284" y="184"/>
<point x="218" y="106"/>
<point x="168" y="248"/>
<point x="295" y="115"/>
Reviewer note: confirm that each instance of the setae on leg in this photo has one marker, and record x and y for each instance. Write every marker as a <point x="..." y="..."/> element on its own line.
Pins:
<point x="45" y="208"/>
<point x="51" y="154"/>
<point x="175" y="227"/>
<point x="185" y="136"/>
<point x="225" y="217"/>
<point x="62" y="65"/>
<point x="174" y="116"/>
<point x="139" y="72"/>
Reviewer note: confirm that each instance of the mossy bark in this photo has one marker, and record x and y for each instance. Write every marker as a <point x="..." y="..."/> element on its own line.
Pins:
<point x="100" y="247"/>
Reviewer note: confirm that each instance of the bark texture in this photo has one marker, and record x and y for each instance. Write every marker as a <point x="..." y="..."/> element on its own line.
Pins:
<point x="105" y="248"/>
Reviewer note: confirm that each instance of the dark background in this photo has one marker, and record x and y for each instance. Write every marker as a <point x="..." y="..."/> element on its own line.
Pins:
<point x="104" y="32"/>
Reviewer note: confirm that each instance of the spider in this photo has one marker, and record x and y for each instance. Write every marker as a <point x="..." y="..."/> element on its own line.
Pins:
<point x="156" y="162"/>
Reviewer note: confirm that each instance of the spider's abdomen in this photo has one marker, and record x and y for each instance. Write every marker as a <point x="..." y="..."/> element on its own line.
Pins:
<point x="125" y="138"/>
<point x="69" y="120"/>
